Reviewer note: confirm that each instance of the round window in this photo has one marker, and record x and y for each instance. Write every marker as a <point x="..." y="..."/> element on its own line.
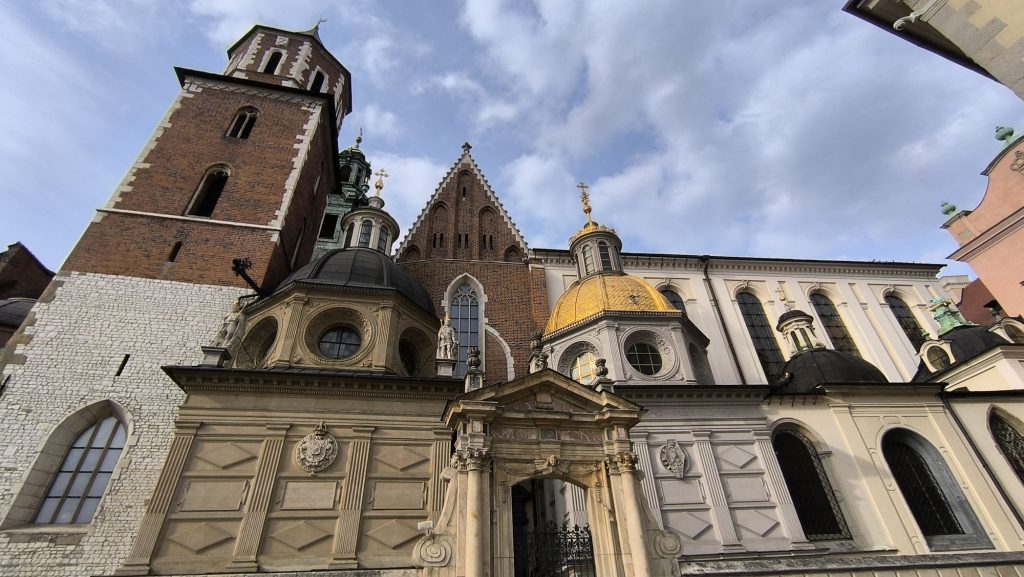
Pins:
<point x="939" y="358"/>
<point x="340" y="343"/>
<point x="584" y="368"/>
<point x="644" y="357"/>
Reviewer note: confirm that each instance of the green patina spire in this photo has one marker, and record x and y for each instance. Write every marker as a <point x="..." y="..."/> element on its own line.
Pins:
<point x="947" y="208"/>
<point x="947" y="317"/>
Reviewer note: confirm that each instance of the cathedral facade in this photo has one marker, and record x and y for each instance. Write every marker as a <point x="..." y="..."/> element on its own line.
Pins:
<point x="272" y="377"/>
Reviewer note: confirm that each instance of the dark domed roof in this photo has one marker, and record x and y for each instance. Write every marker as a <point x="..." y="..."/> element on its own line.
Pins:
<point x="966" y="342"/>
<point x="13" y="311"/>
<point x="813" y="367"/>
<point x="360" y="269"/>
<point x="791" y="314"/>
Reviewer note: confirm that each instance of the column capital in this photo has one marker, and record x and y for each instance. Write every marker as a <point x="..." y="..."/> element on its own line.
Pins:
<point x="624" y="461"/>
<point x="470" y="459"/>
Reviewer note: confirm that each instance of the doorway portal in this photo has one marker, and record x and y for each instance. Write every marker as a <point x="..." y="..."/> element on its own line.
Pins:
<point x="546" y="541"/>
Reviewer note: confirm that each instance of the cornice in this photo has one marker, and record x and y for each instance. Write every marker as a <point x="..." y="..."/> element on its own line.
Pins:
<point x="995" y="233"/>
<point x="693" y="395"/>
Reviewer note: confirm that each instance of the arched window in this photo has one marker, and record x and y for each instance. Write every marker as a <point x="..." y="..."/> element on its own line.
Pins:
<point x="209" y="191"/>
<point x="348" y="234"/>
<point x="813" y="498"/>
<point x="588" y="259"/>
<point x="82" y="478"/>
<point x="346" y="173"/>
<point x="674" y="299"/>
<point x="1016" y="335"/>
<point x="835" y="328"/>
<point x="382" y="240"/>
<point x="931" y="492"/>
<point x="365" y="230"/>
<point x="273" y="62"/>
<point x="606" y="257"/>
<point x="1010" y="442"/>
<point x="464" y="310"/>
<point x="761" y="335"/>
<point x="318" y="82"/>
<point x="907" y="320"/>
<point x="242" y="124"/>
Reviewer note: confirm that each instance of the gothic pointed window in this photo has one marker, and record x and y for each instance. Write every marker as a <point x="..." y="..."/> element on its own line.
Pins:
<point x="242" y="124"/>
<point x="813" y="498"/>
<point x="209" y="191"/>
<point x="908" y="322"/>
<point x="932" y="494"/>
<point x="365" y="229"/>
<point x="761" y="335"/>
<point x="464" y="310"/>
<point x="76" y="490"/>
<point x="1010" y="442"/>
<point x="835" y="328"/>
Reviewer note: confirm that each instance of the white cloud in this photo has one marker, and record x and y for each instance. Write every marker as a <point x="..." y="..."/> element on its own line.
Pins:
<point x="379" y="123"/>
<point x="411" y="182"/>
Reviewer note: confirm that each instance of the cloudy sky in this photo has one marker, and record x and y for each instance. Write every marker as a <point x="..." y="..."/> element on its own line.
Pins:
<point x="785" y="128"/>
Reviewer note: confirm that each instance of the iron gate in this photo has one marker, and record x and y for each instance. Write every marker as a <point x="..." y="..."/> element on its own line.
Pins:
<point x="553" y="551"/>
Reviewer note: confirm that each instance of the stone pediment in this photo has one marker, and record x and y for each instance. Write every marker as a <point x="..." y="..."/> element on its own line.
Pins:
<point x="546" y="395"/>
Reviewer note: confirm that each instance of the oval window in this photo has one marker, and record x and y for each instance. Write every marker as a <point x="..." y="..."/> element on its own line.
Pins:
<point x="340" y="343"/>
<point x="644" y="357"/>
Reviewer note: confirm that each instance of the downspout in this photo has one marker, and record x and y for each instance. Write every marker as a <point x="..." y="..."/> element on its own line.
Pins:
<point x="721" y="320"/>
<point x="981" y="457"/>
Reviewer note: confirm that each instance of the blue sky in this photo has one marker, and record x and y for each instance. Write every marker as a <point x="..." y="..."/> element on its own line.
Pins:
<point x="787" y="128"/>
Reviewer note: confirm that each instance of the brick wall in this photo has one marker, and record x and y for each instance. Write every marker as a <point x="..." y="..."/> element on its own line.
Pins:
<point x="21" y="275"/>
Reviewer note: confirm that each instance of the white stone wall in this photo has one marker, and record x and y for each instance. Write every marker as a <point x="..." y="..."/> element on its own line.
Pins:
<point x="77" y="344"/>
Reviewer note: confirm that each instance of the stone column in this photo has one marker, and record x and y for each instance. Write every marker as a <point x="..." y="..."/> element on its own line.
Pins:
<point x="777" y="483"/>
<point x="626" y="463"/>
<point x="440" y="453"/>
<point x="719" y="505"/>
<point x="346" y="535"/>
<point x="137" y="562"/>
<point x="643" y="452"/>
<point x="475" y="460"/>
<point x="248" y="543"/>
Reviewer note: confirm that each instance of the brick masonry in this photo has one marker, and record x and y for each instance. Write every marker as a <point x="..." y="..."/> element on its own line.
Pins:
<point x="77" y="342"/>
<point x="21" y="274"/>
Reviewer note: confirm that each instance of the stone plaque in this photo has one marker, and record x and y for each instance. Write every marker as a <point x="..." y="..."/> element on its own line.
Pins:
<point x="398" y="495"/>
<point x="309" y="495"/>
<point x="739" y="489"/>
<point x="213" y="496"/>
<point x="681" y="492"/>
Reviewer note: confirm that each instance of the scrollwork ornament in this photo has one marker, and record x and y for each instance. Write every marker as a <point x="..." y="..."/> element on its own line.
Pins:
<point x="667" y="545"/>
<point x="674" y="458"/>
<point x="432" y="551"/>
<point x="317" y="450"/>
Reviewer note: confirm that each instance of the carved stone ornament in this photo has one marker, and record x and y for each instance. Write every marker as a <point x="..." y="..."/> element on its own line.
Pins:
<point x="317" y="450"/>
<point x="674" y="458"/>
<point x="1018" y="162"/>
<point x="667" y="544"/>
<point x="432" y="550"/>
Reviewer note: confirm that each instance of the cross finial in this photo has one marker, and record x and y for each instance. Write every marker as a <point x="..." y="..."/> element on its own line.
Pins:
<point x="466" y="147"/>
<point x="585" y="198"/>
<point x="379" y="185"/>
<point x="320" y="21"/>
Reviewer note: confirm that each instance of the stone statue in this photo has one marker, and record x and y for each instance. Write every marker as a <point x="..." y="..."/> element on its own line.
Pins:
<point x="447" y="344"/>
<point x="232" y="327"/>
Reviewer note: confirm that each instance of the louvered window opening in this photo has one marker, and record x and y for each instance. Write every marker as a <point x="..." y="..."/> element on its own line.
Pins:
<point x="921" y="490"/>
<point x="813" y="498"/>
<point x="908" y="322"/>
<point x="761" y="335"/>
<point x="465" y="319"/>
<point x="1010" y="442"/>
<point x="834" y="326"/>
<point x="76" y="491"/>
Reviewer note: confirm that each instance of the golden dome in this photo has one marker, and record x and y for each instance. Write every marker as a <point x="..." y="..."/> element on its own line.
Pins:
<point x="602" y="293"/>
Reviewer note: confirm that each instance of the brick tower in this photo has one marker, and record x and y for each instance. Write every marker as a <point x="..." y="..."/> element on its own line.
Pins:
<point x="241" y="166"/>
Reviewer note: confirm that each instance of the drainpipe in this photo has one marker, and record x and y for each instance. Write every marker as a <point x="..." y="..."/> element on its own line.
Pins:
<point x="981" y="457"/>
<point x="721" y="320"/>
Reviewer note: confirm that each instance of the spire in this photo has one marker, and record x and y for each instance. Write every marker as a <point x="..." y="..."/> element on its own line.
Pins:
<point x="585" y="199"/>
<point x="377" y="201"/>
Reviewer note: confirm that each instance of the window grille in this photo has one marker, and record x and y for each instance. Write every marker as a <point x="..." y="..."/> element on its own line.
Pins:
<point x="364" y="233"/>
<point x="920" y="489"/>
<point x="644" y="357"/>
<point x="1010" y="442"/>
<point x="813" y="498"/>
<point x="761" y="335"/>
<point x="833" y="323"/>
<point x="465" y="318"/>
<point x="76" y="491"/>
<point x="908" y="322"/>
<point x="588" y="260"/>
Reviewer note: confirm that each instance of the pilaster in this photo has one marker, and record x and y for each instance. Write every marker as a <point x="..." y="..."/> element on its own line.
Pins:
<point x="719" y="505"/>
<point x="777" y="483"/>
<point x="248" y="542"/>
<point x="650" y="492"/>
<point x="346" y="536"/>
